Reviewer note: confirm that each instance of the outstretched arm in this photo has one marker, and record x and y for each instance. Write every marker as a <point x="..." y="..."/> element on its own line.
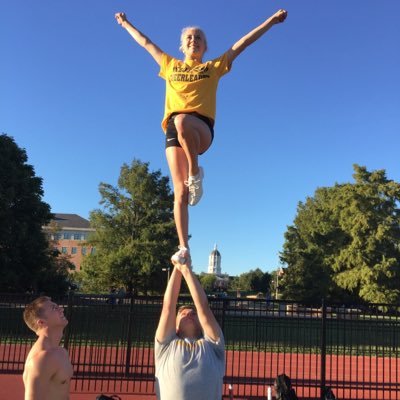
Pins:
<point x="139" y="37"/>
<point x="206" y="317"/>
<point x="167" y="325"/>
<point x="255" y="34"/>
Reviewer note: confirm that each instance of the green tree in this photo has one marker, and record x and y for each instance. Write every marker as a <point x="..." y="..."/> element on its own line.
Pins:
<point x="261" y="281"/>
<point x="26" y="261"/>
<point x="208" y="282"/>
<point x="252" y="281"/>
<point x="234" y="283"/>
<point x="135" y="233"/>
<point x="345" y="242"/>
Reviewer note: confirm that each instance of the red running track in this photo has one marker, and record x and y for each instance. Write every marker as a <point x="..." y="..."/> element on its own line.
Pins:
<point x="250" y="373"/>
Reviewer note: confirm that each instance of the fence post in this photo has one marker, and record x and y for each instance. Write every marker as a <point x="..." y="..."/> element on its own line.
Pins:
<point x="129" y="338"/>
<point x="224" y="305"/>
<point x="69" y="318"/>
<point x="323" y="350"/>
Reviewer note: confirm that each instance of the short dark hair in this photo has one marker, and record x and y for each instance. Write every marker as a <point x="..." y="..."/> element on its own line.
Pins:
<point x="33" y="311"/>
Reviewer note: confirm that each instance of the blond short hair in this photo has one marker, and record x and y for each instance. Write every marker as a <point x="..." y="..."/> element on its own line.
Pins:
<point x="33" y="311"/>
<point x="185" y="29"/>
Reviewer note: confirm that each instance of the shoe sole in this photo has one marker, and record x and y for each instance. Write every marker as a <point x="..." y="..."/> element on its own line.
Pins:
<point x="201" y="171"/>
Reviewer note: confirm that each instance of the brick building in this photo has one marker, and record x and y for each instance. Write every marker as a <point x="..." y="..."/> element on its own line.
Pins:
<point x="69" y="233"/>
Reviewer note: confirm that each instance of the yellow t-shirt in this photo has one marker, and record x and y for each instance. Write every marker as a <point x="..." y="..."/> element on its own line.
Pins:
<point x="191" y="86"/>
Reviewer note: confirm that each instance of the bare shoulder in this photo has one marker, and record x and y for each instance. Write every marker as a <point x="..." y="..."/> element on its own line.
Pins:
<point x="39" y="363"/>
<point x="39" y="358"/>
<point x="49" y="365"/>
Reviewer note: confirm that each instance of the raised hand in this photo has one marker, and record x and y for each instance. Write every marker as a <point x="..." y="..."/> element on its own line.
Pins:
<point x="120" y="17"/>
<point x="280" y="16"/>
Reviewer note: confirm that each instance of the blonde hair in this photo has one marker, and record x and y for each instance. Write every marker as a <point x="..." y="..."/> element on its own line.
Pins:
<point x="33" y="311"/>
<point x="184" y="30"/>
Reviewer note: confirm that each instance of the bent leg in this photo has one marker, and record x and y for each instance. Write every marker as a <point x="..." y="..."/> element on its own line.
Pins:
<point x="195" y="138"/>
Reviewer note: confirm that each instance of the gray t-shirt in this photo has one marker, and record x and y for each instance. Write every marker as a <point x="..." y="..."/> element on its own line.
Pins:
<point x="189" y="371"/>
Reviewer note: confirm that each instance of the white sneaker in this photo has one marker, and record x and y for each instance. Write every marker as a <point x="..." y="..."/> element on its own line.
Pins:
<point x="195" y="185"/>
<point x="182" y="256"/>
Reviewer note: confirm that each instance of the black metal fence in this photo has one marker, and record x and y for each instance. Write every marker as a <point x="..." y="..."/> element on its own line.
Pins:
<point x="353" y="350"/>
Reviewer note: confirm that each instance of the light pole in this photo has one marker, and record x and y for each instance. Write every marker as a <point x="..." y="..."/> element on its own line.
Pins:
<point x="167" y="270"/>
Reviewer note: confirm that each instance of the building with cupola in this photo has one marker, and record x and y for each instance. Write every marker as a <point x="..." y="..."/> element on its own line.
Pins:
<point x="214" y="268"/>
<point x="214" y="262"/>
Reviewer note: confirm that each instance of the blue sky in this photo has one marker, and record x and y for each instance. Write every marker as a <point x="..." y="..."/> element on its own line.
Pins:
<point x="312" y="97"/>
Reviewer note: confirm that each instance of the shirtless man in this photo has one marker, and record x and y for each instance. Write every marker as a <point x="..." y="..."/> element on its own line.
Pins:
<point x="48" y="370"/>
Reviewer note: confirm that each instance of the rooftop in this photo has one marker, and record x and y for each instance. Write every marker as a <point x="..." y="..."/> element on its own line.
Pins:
<point x="71" y="221"/>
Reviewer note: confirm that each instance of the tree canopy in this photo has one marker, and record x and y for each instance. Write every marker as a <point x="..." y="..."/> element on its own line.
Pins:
<point x="26" y="261"/>
<point x="135" y="233"/>
<point x="252" y="281"/>
<point x="208" y="282"/>
<point x="344" y="244"/>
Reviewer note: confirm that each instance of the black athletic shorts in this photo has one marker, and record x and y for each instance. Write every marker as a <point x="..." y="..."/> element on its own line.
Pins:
<point x="171" y="136"/>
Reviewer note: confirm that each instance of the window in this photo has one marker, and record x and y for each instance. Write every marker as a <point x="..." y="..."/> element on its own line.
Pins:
<point x="67" y="235"/>
<point x="78" y="236"/>
<point x="64" y="250"/>
<point x="93" y="250"/>
<point x="83" y="251"/>
<point x="73" y="250"/>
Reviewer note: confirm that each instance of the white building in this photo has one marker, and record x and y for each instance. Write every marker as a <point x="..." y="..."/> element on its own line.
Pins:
<point x="214" y="262"/>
